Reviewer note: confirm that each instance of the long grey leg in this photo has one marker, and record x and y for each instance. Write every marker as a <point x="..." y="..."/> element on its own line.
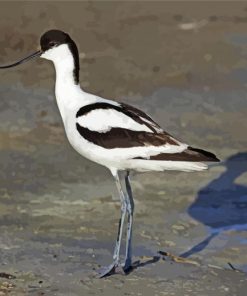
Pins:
<point x="121" y="220"/>
<point x="130" y="211"/>
<point x="116" y="260"/>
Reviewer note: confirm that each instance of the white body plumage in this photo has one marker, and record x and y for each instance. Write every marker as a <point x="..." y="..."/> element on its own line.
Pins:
<point x="70" y="98"/>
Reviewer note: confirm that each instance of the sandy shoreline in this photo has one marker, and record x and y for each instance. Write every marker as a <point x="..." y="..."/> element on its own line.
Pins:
<point x="184" y="64"/>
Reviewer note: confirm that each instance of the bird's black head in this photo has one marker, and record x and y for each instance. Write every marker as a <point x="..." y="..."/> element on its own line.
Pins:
<point x="51" y="40"/>
<point x="54" y="38"/>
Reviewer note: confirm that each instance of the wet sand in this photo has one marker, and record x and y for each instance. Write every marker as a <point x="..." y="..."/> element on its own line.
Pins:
<point x="183" y="63"/>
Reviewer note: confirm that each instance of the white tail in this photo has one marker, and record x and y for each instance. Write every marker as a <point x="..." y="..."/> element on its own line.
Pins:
<point x="156" y="165"/>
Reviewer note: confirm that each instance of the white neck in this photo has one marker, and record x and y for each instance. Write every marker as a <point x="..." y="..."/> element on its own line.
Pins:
<point x="66" y="88"/>
<point x="65" y="81"/>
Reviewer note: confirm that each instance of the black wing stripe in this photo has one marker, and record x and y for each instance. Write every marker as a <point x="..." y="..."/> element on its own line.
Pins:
<point x="124" y="138"/>
<point x="136" y="114"/>
<point x="88" y="108"/>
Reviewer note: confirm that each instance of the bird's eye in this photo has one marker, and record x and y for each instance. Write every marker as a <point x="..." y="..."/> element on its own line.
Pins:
<point x="52" y="43"/>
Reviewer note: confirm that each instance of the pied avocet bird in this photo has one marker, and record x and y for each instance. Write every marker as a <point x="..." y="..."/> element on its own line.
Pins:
<point x="115" y="135"/>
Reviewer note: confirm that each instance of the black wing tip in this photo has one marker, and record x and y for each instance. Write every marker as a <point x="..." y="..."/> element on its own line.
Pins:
<point x="190" y="154"/>
<point x="208" y="156"/>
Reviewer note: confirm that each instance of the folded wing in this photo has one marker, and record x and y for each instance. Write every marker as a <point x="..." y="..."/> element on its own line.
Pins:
<point x="122" y="126"/>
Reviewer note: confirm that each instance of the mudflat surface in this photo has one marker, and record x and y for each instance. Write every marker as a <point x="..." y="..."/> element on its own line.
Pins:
<point x="184" y="64"/>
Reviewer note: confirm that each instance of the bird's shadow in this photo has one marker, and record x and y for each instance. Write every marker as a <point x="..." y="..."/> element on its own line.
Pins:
<point x="141" y="263"/>
<point x="222" y="204"/>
